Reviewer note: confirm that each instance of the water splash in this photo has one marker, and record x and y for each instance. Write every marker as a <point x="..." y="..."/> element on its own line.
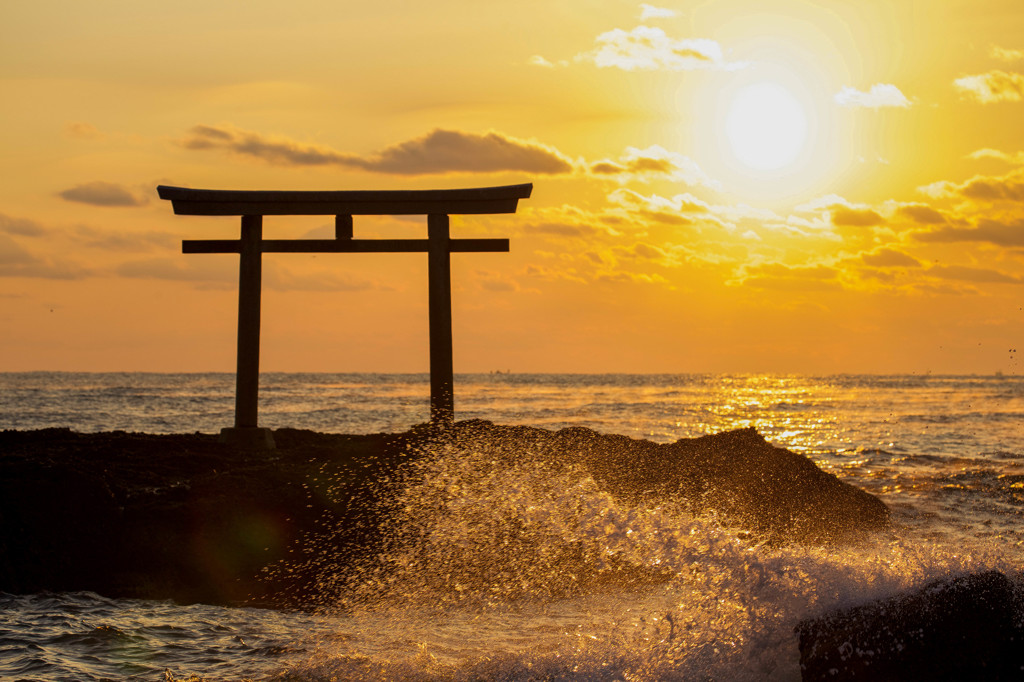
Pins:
<point x="501" y="565"/>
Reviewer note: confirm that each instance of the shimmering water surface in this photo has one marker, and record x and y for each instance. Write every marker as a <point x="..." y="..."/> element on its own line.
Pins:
<point x="946" y="453"/>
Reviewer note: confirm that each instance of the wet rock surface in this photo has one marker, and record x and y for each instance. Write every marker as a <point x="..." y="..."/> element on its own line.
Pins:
<point x="965" y="628"/>
<point x="187" y="518"/>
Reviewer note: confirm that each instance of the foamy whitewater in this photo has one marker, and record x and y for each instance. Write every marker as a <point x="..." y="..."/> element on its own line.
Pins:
<point x="945" y="453"/>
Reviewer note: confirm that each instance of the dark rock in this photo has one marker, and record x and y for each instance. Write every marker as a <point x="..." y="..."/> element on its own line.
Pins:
<point x="966" y="628"/>
<point x="182" y="516"/>
<point x="776" y="495"/>
<point x="188" y="518"/>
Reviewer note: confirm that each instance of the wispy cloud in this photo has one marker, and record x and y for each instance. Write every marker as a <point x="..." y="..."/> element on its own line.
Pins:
<point x="678" y="211"/>
<point x="17" y="261"/>
<point x="496" y="282"/>
<point x="647" y="48"/>
<point x="128" y="242"/>
<point x="965" y="273"/>
<point x="83" y="131"/>
<point x="890" y="258"/>
<point x="22" y="227"/>
<point x="537" y="60"/>
<point x="780" y="277"/>
<point x="12" y="253"/>
<point x="622" y="277"/>
<point x="653" y="162"/>
<point x="823" y="202"/>
<point x="652" y="12"/>
<point x="1005" y="54"/>
<point x="216" y="274"/>
<point x="994" y="86"/>
<point x="100" y="193"/>
<point x="1015" y="158"/>
<point x="440" y="151"/>
<point x="1009" y="187"/>
<point x="987" y="231"/>
<point x="199" y="270"/>
<point x="880" y="95"/>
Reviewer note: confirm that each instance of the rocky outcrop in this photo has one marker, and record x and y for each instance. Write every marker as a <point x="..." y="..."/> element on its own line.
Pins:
<point x="966" y="628"/>
<point x="183" y="516"/>
<point x="188" y="518"/>
<point x="776" y="495"/>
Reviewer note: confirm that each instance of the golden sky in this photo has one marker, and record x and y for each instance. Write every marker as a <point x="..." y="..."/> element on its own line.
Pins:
<point x="719" y="186"/>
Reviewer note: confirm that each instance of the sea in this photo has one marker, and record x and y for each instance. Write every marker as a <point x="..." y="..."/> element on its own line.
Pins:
<point x="945" y="453"/>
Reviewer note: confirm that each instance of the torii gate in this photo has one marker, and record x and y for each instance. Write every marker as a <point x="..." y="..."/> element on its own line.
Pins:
<point x="437" y="205"/>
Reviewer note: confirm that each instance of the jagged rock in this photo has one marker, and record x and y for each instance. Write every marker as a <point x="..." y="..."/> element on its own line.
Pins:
<point x="189" y="518"/>
<point x="776" y="495"/>
<point x="966" y="628"/>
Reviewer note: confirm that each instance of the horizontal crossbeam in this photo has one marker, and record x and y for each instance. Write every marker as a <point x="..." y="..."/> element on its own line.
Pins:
<point x="474" y="200"/>
<point x="343" y="245"/>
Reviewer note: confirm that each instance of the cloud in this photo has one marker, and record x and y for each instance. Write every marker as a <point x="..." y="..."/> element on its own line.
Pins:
<point x="823" y="202"/>
<point x="17" y="261"/>
<point x="101" y="193"/>
<point x="563" y="229"/>
<point x="444" y="150"/>
<point x="680" y="203"/>
<point x="621" y="277"/>
<point x="647" y="49"/>
<point x="440" y="151"/>
<point x="569" y="222"/>
<point x="987" y="231"/>
<point x="496" y="282"/>
<point x="537" y="60"/>
<point x="843" y="216"/>
<point x="889" y="258"/>
<point x="280" y="279"/>
<point x="109" y="240"/>
<point x="654" y="162"/>
<point x="83" y="131"/>
<point x="1016" y="159"/>
<point x="1009" y="187"/>
<point x="963" y="273"/>
<point x="1005" y="54"/>
<point x="652" y="12"/>
<point x="23" y="227"/>
<point x="667" y="211"/>
<point x="642" y="250"/>
<point x="217" y="273"/>
<point x="880" y="95"/>
<point x="994" y="86"/>
<point x="194" y="269"/>
<point x="547" y="274"/>
<point x="922" y="214"/>
<point x="780" y="277"/>
<point x="12" y="253"/>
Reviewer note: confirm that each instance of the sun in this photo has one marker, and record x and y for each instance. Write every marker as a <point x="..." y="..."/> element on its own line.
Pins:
<point x="766" y="127"/>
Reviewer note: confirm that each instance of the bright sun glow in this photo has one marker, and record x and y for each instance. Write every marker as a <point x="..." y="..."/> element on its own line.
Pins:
<point x="766" y="127"/>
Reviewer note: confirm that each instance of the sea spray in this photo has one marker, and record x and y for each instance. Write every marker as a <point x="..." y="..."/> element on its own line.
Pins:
<point x="944" y="453"/>
<point x="502" y="566"/>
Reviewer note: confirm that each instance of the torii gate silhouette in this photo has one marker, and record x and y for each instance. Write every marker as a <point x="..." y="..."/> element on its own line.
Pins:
<point x="437" y="205"/>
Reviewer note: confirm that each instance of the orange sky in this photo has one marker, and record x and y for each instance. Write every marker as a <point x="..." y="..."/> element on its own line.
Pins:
<point x="720" y="186"/>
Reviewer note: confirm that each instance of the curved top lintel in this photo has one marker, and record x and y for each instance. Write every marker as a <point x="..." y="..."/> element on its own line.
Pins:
<point x="472" y="200"/>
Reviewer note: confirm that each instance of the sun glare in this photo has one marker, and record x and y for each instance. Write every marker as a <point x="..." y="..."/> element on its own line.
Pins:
<point x="766" y="127"/>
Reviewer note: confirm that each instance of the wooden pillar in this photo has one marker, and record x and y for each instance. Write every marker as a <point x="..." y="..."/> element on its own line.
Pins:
<point x="250" y="270"/>
<point x="439" y="275"/>
<point x="343" y="226"/>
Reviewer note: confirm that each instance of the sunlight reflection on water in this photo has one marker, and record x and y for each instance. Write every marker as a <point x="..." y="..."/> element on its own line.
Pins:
<point x="489" y="597"/>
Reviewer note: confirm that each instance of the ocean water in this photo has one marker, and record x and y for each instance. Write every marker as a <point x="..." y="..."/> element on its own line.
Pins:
<point x="946" y="453"/>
